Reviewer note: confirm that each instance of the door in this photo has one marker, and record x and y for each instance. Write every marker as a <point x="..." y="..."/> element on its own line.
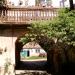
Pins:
<point x="28" y="53"/>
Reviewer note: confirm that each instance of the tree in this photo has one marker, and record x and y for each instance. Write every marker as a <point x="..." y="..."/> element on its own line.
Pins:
<point x="2" y="7"/>
<point x="56" y="37"/>
<point x="71" y="4"/>
<point x="2" y="3"/>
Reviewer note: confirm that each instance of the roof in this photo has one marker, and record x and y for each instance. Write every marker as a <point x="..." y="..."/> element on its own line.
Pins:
<point x="32" y="45"/>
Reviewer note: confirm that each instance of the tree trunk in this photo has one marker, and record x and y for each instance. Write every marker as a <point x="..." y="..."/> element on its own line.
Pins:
<point x="71" y="5"/>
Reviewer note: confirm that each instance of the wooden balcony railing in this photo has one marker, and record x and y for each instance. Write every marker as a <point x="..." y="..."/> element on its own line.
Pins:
<point x="18" y="15"/>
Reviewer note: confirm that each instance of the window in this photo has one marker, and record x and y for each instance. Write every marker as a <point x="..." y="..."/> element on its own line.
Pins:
<point x="20" y="3"/>
<point x="45" y="2"/>
<point x="37" y="50"/>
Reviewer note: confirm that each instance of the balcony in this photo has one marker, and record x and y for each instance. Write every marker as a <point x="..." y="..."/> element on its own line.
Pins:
<point x="18" y="15"/>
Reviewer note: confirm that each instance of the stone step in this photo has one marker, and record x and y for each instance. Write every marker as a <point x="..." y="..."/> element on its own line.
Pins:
<point x="30" y="72"/>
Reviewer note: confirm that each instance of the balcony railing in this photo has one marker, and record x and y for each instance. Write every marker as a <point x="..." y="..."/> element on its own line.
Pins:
<point x="20" y="15"/>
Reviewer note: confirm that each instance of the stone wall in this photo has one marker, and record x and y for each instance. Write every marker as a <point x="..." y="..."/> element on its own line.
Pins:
<point x="8" y="37"/>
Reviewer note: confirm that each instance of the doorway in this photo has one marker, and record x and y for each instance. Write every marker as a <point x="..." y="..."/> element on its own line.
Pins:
<point x="28" y="53"/>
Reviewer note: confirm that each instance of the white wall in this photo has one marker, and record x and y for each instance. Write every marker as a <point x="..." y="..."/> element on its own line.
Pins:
<point x="33" y="51"/>
<point x="31" y="3"/>
<point x="55" y="3"/>
<point x="16" y="2"/>
<point x="67" y="3"/>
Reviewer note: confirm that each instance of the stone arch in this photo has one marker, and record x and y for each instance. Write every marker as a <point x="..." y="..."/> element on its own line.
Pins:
<point x="18" y="47"/>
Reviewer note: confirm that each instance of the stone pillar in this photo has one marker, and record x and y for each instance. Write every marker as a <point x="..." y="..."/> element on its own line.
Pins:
<point x="7" y="42"/>
<point x="8" y="37"/>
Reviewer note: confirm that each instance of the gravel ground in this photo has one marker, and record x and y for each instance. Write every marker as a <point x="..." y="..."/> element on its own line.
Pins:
<point x="32" y="68"/>
<point x="32" y="65"/>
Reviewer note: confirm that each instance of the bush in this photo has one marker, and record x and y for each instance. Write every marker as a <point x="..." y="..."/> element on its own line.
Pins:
<point x="42" y="55"/>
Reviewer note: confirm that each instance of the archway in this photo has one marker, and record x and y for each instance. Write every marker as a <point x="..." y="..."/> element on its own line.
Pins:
<point x="22" y="65"/>
<point x="18" y="47"/>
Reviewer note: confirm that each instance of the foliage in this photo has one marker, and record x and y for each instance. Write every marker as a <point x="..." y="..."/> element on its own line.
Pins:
<point x="2" y="2"/>
<point x="36" y="30"/>
<point x="62" y="28"/>
<point x="38" y="33"/>
<point x="57" y="37"/>
<point x="7" y="64"/>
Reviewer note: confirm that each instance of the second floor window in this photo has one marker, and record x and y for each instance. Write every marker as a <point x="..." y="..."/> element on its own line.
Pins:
<point x="20" y="3"/>
<point x="44" y="2"/>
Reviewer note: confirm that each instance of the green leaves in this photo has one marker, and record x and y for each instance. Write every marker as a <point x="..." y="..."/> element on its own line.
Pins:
<point x="67" y="24"/>
<point x="2" y="3"/>
<point x="62" y="28"/>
